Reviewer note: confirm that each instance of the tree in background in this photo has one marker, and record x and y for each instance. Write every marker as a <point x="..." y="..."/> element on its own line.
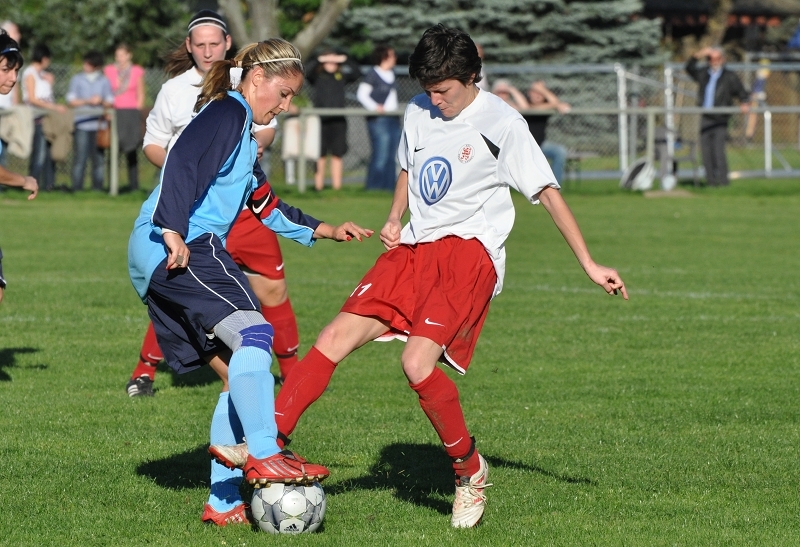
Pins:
<point x="305" y="22"/>
<point x="513" y="31"/>
<point x="72" y="28"/>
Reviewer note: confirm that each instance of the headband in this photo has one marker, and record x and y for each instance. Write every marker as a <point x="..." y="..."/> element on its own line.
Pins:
<point x="8" y="50"/>
<point x="209" y="20"/>
<point x="235" y="72"/>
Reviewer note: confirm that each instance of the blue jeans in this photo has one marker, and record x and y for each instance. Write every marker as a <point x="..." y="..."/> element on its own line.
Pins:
<point x="42" y="167"/>
<point x="3" y="153"/>
<point x="557" y="156"/>
<point x="85" y="147"/>
<point x="384" y="134"/>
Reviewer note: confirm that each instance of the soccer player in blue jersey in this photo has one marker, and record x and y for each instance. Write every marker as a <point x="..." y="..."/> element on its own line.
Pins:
<point x="10" y="63"/>
<point x="199" y="301"/>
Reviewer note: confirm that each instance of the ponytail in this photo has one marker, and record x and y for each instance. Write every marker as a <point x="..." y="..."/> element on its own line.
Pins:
<point x="216" y="83"/>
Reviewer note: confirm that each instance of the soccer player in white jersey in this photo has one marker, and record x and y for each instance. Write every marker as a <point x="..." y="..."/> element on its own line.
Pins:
<point x="253" y="246"/>
<point x="462" y="151"/>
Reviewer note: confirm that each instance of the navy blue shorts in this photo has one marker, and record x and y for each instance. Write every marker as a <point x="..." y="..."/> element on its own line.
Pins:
<point x="185" y="304"/>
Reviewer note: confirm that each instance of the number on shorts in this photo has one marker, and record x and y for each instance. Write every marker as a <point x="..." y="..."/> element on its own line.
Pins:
<point x="364" y="289"/>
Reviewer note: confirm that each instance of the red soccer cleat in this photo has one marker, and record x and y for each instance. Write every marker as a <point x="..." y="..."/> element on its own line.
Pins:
<point x="284" y="467"/>
<point x="237" y="515"/>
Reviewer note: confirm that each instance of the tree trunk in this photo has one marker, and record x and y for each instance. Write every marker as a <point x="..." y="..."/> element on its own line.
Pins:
<point x="320" y="26"/>
<point x="264" y="22"/>
<point x="237" y="26"/>
<point x="263" y="19"/>
<point x="717" y="23"/>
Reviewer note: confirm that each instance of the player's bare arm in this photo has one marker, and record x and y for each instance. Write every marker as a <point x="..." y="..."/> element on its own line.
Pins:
<point x="155" y="154"/>
<point x="343" y="232"/>
<point x="559" y="211"/>
<point x="9" y="178"/>
<point x="390" y="234"/>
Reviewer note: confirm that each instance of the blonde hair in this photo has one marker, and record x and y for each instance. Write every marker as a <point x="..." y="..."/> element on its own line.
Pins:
<point x="275" y="56"/>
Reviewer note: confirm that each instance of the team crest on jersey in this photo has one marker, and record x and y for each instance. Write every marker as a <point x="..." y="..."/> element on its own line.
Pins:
<point x="466" y="153"/>
<point x="434" y="179"/>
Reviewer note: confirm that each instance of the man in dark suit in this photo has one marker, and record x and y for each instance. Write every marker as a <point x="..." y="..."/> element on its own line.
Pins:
<point x="717" y="86"/>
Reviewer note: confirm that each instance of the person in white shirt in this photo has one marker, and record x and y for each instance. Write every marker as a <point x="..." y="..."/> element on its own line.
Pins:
<point x="37" y="91"/>
<point x="378" y="93"/>
<point x="462" y="150"/>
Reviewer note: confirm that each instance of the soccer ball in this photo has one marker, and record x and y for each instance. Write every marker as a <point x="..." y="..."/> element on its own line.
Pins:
<point x="289" y="508"/>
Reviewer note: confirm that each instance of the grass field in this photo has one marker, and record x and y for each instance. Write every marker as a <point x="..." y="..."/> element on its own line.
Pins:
<point x="670" y="419"/>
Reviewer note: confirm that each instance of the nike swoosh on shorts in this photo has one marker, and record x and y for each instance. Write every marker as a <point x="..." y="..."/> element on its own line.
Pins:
<point x="429" y="322"/>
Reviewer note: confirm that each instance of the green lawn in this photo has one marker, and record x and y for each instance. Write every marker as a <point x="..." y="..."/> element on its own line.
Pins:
<point x="670" y="419"/>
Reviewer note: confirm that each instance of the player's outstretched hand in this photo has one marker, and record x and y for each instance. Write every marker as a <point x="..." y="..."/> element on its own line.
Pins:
<point x="31" y="186"/>
<point x="348" y="231"/>
<point x="178" y="256"/>
<point x="608" y="278"/>
<point x="390" y="234"/>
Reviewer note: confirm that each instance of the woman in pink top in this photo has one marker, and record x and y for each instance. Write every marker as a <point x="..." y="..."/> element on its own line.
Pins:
<point x="127" y="83"/>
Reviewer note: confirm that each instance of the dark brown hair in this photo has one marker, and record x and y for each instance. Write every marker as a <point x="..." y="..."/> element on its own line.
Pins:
<point x="445" y="54"/>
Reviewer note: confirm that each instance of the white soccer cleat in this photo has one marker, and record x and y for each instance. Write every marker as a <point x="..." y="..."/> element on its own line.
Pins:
<point x="470" y="500"/>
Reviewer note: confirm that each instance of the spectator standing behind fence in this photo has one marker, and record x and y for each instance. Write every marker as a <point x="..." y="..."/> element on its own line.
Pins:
<point x="37" y="91"/>
<point x="89" y="88"/>
<point x="717" y="87"/>
<point x="539" y="98"/>
<point x="378" y="93"/>
<point x="328" y="74"/>
<point x="128" y="86"/>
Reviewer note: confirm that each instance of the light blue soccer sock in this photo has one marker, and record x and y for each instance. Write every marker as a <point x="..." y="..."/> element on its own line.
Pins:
<point x="225" y="429"/>
<point x="253" y="394"/>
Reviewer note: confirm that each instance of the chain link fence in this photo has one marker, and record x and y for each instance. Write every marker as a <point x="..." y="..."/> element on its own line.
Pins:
<point x="602" y="144"/>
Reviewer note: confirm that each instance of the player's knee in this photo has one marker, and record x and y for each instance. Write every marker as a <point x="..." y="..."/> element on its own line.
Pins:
<point x="245" y="328"/>
<point x="416" y="370"/>
<point x="328" y="336"/>
<point x="272" y="293"/>
<point x="258" y="336"/>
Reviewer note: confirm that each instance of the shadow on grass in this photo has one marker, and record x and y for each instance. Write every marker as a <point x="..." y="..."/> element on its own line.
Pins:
<point x="203" y="376"/>
<point x="417" y="473"/>
<point x="188" y="469"/>
<point x="8" y="359"/>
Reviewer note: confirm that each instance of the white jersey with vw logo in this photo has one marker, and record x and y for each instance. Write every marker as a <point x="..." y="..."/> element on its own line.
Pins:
<point x="460" y="171"/>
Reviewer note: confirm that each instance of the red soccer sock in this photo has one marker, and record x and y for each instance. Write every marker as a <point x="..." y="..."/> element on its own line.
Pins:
<point x="438" y="397"/>
<point x="307" y="383"/>
<point x="286" y="338"/>
<point x="149" y="357"/>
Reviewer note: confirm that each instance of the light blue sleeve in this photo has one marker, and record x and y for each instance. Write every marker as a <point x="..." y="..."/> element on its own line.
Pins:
<point x="281" y="225"/>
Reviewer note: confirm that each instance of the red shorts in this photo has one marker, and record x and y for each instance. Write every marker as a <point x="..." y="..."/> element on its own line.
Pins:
<point x="254" y="246"/>
<point x="439" y="290"/>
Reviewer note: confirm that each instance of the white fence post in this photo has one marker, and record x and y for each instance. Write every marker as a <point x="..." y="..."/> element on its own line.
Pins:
<point x="768" y="143"/>
<point x="622" y="100"/>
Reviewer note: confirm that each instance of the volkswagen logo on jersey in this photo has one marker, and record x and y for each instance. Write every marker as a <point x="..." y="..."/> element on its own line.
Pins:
<point x="434" y="179"/>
